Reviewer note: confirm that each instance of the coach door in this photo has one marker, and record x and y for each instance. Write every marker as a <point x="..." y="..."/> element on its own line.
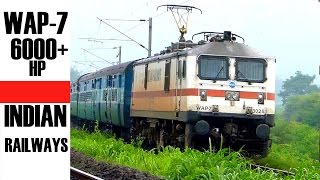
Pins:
<point x="115" y="102"/>
<point x="108" y="99"/>
<point x="98" y="98"/>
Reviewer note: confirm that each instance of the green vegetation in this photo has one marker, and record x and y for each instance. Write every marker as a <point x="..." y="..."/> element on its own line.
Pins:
<point x="171" y="163"/>
<point x="295" y="148"/>
<point x="304" y="108"/>
<point x="74" y="74"/>
<point x="299" y="84"/>
<point x="295" y="145"/>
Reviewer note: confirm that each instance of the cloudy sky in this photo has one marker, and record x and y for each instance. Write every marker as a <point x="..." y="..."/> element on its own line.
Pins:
<point x="286" y="29"/>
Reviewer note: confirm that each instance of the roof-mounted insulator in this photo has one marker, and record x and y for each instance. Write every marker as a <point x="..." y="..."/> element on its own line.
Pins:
<point x="219" y="36"/>
<point x="227" y="35"/>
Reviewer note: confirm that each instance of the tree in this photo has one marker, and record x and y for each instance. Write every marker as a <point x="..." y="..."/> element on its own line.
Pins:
<point x="279" y="83"/>
<point x="74" y="74"/>
<point x="299" y="84"/>
<point x="304" y="108"/>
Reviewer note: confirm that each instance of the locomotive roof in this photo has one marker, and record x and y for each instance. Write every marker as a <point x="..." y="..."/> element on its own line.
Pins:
<point x="225" y="48"/>
<point x="111" y="70"/>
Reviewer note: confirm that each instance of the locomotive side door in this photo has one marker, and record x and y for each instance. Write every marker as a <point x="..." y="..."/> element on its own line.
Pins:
<point x="181" y="68"/>
<point x="170" y="88"/>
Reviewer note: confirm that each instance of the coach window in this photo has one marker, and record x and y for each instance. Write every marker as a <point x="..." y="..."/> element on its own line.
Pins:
<point x="167" y="76"/>
<point x="109" y="81"/>
<point x="93" y="84"/>
<point x="120" y="81"/>
<point x="85" y="87"/>
<point x="114" y="94"/>
<point x="97" y="83"/>
<point x="114" y="77"/>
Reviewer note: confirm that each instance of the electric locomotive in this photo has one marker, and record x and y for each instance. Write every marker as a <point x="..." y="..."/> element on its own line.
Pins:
<point x="218" y="90"/>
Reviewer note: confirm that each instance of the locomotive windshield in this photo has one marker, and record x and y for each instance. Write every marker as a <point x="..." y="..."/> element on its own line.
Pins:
<point x="213" y="67"/>
<point x="250" y="70"/>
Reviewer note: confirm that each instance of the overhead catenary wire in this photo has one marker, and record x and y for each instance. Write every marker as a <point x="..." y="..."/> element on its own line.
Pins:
<point x="135" y="27"/>
<point x="115" y="39"/>
<point x="97" y="56"/>
<point x="106" y="39"/>
<point x="123" y="34"/>
<point x="125" y="19"/>
<point x="91" y="65"/>
<point x="101" y="48"/>
<point x="88" y="61"/>
<point x="152" y="18"/>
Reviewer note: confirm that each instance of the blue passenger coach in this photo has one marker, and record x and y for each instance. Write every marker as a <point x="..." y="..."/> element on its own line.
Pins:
<point x="104" y="96"/>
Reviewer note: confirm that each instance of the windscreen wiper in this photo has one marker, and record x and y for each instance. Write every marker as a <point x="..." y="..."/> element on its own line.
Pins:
<point x="214" y="80"/>
<point x="245" y="78"/>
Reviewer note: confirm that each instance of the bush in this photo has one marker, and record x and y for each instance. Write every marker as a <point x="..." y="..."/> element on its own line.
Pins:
<point x="304" y="108"/>
<point x="295" y="145"/>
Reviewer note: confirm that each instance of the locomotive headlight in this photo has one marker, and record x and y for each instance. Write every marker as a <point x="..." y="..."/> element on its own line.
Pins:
<point x="232" y="95"/>
<point x="260" y="98"/>
<point x="235" y="96"/>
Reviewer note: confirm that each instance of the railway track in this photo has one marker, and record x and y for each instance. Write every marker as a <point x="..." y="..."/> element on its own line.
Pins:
<point x="265" y="168"/>
<point x="81" y="175"/>
<point x="74" y="172"/>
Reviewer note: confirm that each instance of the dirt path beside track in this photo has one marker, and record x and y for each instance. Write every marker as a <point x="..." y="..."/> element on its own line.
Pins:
<point x="104" y="170"/>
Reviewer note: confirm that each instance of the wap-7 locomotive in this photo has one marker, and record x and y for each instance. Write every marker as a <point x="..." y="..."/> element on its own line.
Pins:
<point x="217" y="90"/>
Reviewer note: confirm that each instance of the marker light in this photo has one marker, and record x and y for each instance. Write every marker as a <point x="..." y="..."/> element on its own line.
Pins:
<point x="260" y="98"/>
<point x="203" y="95"/>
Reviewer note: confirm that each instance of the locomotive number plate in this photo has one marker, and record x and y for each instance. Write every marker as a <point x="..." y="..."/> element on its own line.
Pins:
<point x="258" y="111"/>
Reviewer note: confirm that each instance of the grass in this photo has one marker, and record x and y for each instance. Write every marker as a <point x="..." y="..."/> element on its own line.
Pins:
<point x="171" y="163"/>
<point x="295" y="145"/>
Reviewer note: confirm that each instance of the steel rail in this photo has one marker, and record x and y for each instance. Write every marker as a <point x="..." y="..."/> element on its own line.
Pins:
<point x="287" y="173"/>
<point x="74" y="172"/>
